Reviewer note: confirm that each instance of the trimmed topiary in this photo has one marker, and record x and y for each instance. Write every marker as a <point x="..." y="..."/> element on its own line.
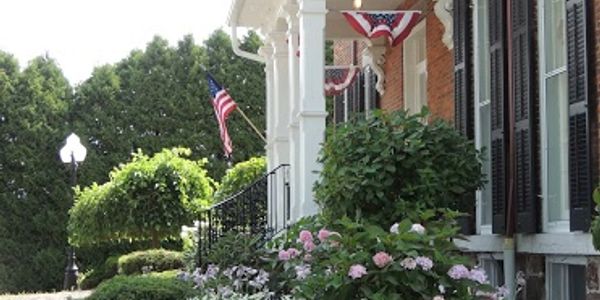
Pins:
<point x="146" y="287"/>
<point x="149" y="198"/>
<point x="156" y="260"/>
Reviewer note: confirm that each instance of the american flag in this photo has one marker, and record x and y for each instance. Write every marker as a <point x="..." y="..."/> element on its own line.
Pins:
<point x="395" y="25"/>
<point x="223" y="105"/>
<point x="337" y="79"/>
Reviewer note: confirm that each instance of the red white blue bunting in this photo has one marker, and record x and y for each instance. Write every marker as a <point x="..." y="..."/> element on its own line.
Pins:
<point x="338" y="78"/>
<point x="395" y="25"/>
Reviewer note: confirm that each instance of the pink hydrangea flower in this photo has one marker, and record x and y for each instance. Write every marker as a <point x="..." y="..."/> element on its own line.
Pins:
<point x="409" y="263"/>
<point x="382" y="259"/>
<point x="418" y="228"/>
<point x="284" y="255"/>
<point x="309" y="246"/>
<point x="357" y="271"/>
<point x="438" y="297"/>
<point x="424" y="262"/>
<point x="305" y="236"/>
<point x="478" y="275"/>
<point x="293" y="252"/>
<point x="323" y="234"/>
<point x="458" y="272"/>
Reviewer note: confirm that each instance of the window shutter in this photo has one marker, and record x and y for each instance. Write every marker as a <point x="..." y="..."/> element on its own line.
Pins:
<point x="580" y="182"/>
<point x="525" y="116"/>
<point x="373" y="93"/>
<point x="463" y="78"/>
<point x="350" y="91"/>
<point x="498" y="106"/>
<point x="338" y="109"/>
<point x="359" y="94"/>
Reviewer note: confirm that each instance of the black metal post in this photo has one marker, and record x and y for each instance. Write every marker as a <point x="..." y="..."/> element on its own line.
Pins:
<point x="71" y="271"/>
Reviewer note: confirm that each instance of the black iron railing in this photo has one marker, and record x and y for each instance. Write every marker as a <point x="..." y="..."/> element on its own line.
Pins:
<point x="261" y="209"/>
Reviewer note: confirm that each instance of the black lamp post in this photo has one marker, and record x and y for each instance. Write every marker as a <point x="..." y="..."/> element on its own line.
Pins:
<point x="72" y="153"/>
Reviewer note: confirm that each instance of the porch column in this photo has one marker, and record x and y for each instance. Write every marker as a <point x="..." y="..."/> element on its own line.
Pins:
<point x="294" y="96"/>
<point x="281" y="97"/>
<point x="266" y="51"/>
<point x="312" y="113"/>
<point x="282" y="117"/>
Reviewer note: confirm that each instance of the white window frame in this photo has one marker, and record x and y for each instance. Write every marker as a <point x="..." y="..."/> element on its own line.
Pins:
<point x="480" y="227"/>
<point x="547" y="226"/>
<point x="493" y="257"/>
<point x="412" y="69"/>
<point x="563" y="260"/>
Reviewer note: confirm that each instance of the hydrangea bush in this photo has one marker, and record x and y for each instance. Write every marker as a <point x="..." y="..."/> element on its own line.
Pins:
<point x="354" y="260"/>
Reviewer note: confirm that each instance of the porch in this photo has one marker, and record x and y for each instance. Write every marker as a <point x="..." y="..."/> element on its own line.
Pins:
<point x="294" y="35"/>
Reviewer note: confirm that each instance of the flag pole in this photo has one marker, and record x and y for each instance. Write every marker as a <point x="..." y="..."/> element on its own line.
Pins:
<point x="251" y="124"/>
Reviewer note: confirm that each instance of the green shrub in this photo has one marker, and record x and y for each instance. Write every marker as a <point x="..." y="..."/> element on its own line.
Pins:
<point x="149" y="198"/>
<point x="94" y="277"/>
<point x="146" y="287"/>
<point x="240" y="176"/>
<point x="156" y="259"/>
<point x="235" y="249"/>
<point x="385" y="165"/>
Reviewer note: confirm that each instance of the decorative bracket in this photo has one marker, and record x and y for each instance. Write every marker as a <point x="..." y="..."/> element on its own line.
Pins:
<point x="374" y="57"/>
<point x="443" y="11"/>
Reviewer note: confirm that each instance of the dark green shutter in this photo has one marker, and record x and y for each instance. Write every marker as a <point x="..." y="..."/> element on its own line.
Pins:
<point x="371" y="85"/>
<point x="338" y="109"/>
<point x="463" y="68"/>
<point x="350" y="99"/>
<point x="359" y="94"/>
<point x="525" y="110"/>
<point x="498" y="96"/>
<point x="580" y="181"/>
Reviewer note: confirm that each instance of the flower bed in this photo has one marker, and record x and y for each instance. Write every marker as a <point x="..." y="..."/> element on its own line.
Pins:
<point x="354" y="260"/>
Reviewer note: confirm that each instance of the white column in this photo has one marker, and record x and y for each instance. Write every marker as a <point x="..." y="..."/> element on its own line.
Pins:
<point x="282" y="117"/>
<point x="294" y="96"/>
<point x="312" y="113"/>
<point x="281" y="97"/>
<point x="267" y="52"/>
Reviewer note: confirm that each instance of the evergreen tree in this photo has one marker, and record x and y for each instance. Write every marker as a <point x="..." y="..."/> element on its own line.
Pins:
<point x="35" y="194"/>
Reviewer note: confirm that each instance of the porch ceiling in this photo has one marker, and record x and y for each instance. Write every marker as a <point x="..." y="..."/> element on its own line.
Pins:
<point x="262" y="15"/>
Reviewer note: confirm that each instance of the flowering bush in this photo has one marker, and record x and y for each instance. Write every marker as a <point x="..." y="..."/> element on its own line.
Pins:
<point x="354" y="260"/>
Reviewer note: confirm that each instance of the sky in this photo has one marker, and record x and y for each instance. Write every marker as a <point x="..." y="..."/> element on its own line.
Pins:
<point x="82" y="34"/>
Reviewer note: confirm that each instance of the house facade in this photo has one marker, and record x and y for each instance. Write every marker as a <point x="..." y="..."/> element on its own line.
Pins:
<point x="521" y="78"/>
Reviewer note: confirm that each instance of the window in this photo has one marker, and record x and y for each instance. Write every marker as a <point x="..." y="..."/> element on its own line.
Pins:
<point x="494" y="268"/>
<point x="554" y="115"/>
<point x="415" y="70"/>
<point x="359" y="99"/>
<point x="482" y="110"/>
<point x="565" y="278"/>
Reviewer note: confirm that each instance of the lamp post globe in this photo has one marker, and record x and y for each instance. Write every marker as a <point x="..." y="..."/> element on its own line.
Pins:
<point x="73" y="153"/>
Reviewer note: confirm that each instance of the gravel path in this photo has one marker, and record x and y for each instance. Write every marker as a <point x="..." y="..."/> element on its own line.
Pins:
<point x="78" y="295"/>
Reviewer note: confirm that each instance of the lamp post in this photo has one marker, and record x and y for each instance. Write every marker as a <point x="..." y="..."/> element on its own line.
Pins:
<point x="72" y="153"/>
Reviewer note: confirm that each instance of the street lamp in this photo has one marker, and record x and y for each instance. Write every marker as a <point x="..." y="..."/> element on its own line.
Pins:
<point x="72" y="153"/>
